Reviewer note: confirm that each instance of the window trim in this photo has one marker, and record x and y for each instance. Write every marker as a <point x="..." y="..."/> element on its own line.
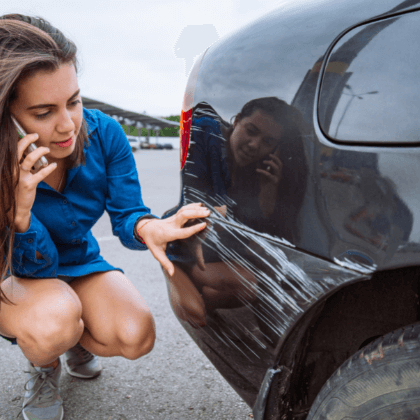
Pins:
<point x="322" y="71"/>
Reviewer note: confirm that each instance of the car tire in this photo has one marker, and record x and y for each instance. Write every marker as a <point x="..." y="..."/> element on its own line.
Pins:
<point x="381" y="381"/>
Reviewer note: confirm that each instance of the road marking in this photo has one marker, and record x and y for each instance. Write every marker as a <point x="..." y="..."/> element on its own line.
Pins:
<point x="106" y="238"/>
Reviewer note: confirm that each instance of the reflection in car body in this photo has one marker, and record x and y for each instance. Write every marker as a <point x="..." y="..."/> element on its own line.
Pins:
<point x="300" y="133"/>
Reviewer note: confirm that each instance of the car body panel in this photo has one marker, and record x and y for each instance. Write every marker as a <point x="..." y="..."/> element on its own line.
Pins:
<point x="287" y="79"/>
<point x="279" y="284"/>
<point x="352" y="209"/>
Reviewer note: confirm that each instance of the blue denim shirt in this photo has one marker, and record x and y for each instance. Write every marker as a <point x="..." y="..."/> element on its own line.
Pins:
<point x="61" y="223"/>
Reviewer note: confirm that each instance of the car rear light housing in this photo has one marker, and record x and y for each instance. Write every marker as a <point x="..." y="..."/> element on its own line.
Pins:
<point x="186" y="113"/>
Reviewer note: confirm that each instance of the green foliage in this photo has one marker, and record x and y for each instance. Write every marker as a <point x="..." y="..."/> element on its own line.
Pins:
<point x="171" y="131"/>
<point x="130" y="131"/>
<point x="165" y="132"/>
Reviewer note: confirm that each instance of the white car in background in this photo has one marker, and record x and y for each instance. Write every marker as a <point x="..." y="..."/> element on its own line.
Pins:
<point x="134" y="142"/>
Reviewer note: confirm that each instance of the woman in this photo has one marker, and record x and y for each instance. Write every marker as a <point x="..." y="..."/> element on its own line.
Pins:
<point x="252" y="172"/>
<point x="62" y="296"/>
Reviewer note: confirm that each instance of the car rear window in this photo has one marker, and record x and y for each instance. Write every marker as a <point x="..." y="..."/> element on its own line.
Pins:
<point x="370" y="90"/>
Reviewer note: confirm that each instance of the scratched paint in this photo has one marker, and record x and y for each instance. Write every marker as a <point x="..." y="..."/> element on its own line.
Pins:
<point x="275" y="285"/>
<point x="361" y="268"/>
<point x="285" y="284"/>
<point x="347" y="196"/>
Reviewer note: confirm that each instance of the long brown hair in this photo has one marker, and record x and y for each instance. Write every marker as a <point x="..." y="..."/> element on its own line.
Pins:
<point x="27" y="45"/>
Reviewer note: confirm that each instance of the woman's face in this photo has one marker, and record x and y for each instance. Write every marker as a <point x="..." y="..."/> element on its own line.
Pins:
<point x="49" y="104"/>
<point x="254" y="137"/>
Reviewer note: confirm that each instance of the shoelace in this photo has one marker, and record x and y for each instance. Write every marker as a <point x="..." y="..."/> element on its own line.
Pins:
<point x="44" y="391"/>
<point x="82" y="353"/>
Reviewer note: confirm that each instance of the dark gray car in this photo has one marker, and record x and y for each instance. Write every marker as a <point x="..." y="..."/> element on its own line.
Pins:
<point x="301" y="133"/>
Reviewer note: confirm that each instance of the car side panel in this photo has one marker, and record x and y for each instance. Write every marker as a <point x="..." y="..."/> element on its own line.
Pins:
<point x="263" y="274"/>
<point x="253" y="291"/>
<point x="282" y="56"/>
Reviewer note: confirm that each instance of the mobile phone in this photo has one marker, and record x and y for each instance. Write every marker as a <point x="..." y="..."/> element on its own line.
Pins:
<point x="42" y="162"/>
<point x="268" y="168"/>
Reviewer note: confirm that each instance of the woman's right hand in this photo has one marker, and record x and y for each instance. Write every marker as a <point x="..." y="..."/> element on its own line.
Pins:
<point x="157" y="233"/>
<point x="28" y="180"/>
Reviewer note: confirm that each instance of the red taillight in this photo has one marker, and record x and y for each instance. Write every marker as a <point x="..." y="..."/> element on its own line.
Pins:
<point x="184" y="134"/>
<point x="186" y="114"/>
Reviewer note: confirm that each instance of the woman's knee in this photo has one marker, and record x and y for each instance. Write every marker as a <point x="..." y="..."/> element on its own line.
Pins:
<point x="58" y="327"/>
<point x="136" y="336"/>
<point x="42" y="347"/>
<point x="52" y="323"/>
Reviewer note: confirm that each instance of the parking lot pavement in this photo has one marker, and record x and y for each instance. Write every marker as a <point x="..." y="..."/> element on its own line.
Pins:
<point x="175" y="381"/>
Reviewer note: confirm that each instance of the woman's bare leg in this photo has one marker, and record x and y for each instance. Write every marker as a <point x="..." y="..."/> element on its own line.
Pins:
<point x="116" y="317"/>
<point x="45" y="318"/>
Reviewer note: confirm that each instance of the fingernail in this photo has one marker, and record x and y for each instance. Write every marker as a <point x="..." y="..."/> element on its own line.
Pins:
<point x="54" y="163"/>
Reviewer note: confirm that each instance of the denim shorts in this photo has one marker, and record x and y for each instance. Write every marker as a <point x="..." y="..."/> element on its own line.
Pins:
<point x="66" y="279"/>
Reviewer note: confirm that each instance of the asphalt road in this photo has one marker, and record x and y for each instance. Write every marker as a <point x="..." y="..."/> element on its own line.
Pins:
<point x="175" y="381"/>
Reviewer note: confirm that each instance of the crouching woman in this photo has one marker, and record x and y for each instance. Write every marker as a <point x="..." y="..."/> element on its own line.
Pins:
<point x="58" y="295"/>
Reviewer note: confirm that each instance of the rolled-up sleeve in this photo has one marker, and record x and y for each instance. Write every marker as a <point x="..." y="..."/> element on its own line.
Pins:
<point x="24" y="253"/>
<point x="123" y="201"/>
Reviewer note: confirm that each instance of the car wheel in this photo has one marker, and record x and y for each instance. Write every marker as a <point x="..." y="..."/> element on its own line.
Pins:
<point x="381" y="381"/>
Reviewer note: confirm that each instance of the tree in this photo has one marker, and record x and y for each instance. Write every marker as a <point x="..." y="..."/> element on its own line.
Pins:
<point x="165" y="132"/>
<point x="171" y="131"/>
<point x="129" y="130"/>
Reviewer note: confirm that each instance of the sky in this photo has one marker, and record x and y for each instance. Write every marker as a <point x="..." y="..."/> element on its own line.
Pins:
<point x="136" y="54"/>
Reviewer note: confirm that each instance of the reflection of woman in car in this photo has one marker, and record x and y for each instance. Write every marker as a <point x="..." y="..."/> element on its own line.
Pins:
<point x="257" y="163"/>
<point x="252" y="171"/>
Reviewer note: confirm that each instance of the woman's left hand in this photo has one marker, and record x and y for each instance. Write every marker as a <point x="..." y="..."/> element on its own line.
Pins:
<point x="157" y="233"/>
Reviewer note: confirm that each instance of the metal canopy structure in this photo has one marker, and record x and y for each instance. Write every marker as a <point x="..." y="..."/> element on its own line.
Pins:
<point x="128" y="117"/>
